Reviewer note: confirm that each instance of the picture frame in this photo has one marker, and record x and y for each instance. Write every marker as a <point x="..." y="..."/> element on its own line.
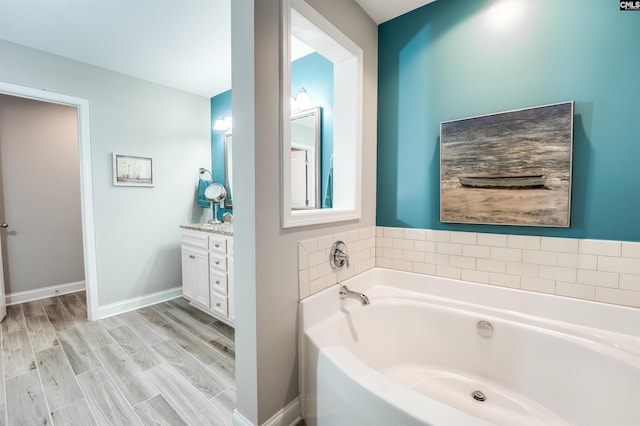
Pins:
<point x="508" y="168"/>
<point x="133" y="170"/>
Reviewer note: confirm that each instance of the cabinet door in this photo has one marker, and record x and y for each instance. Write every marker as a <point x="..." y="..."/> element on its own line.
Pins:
<point x="230" y="286"/>
<point x="195" y="275"/>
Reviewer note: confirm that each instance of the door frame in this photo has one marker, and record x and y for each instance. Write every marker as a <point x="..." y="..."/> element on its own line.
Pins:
<point x="86" y="181"/>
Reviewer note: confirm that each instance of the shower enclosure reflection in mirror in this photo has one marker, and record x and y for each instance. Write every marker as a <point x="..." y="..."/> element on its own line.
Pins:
<point x="306" y="26"/>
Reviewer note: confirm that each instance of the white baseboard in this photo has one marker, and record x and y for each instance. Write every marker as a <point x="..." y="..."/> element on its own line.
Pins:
<point x="288" y="416"/>
<point x="41" y="293"/>
<point x="138" y="302"/>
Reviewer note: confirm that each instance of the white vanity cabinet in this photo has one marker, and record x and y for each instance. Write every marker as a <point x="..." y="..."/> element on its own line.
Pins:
<point x="207" y="272"/>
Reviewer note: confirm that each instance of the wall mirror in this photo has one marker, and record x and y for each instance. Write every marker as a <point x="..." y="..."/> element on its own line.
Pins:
<point x="305" y="159"/>
<point x="228" y="175"/>
<point x="334" y="194"/>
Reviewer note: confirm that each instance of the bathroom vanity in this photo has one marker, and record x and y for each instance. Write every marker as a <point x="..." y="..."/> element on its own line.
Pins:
<point x="207" y="269"/>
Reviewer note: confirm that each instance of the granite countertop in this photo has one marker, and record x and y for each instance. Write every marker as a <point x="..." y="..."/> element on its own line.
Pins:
<point x="215" y="228"/>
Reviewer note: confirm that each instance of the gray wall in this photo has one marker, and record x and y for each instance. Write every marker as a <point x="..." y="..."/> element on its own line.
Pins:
<point x="266" y="255"/>
<point x="137" y="234"/>
<point x="41" y="194"/>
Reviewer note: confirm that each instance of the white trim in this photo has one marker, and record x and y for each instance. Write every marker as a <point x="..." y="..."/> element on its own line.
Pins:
<point x="138" y="302"/>
<point x="347" y="176"/>
<point x="41" y="293"/>
<point x="289" y="415"/>
<point x="240" y="420"/>
<point x="86" y="182"/>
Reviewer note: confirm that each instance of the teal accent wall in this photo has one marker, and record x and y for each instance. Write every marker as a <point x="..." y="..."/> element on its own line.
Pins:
<point x="315" y="74"/>
<point x="447" y="61"/>
<point x="220" y="106"/>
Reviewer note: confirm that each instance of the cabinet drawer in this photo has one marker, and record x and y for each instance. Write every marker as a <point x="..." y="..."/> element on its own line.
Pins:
<point x="218" y="262"/>
<point x="195" y="239"/>
<point x="219" y="303"/>
<point x="218" y="244"/>
<point x="218" y="281"/>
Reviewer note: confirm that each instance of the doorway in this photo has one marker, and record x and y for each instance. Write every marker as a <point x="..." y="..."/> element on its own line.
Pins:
<point x="81" y="106"/>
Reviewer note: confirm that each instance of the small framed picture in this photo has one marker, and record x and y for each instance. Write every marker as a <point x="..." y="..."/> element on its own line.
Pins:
<point x="132" y="170"/>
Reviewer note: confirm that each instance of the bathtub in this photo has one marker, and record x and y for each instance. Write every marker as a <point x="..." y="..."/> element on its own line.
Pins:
<point x="425" y="344"/>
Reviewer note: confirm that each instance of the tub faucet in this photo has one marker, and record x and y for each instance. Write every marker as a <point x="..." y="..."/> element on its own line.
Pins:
<point x="346" y="293"/>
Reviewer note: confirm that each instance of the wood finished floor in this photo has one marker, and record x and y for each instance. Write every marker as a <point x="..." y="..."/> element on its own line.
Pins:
<point x="167" y="364"/>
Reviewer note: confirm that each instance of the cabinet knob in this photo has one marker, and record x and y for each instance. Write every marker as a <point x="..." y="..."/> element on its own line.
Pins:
<point x="217" y="262"/>
<point x="218" y="305"/>
<point x="191" y="256"/>
<point x="217" y="281"/>
<point x="217" y="245"/>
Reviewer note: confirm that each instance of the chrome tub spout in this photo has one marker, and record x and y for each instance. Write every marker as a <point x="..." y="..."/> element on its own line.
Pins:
<point x="346" y="293"/>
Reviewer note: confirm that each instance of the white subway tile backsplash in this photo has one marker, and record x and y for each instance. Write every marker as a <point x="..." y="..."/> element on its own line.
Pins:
<point x="630" y="282"/>
<point x="631" y="250"/>
<point x="523" y="269"/>
<point x="504" y="280"/>
<point x="401" y="243"/>
<point x="433" y="235"/>
<point x="560" y="245"/>
<point x="427" y="246"/>
<point x="448" y="271"/>
<point x="464" y="237"/>
<point x="414" y="234"/>
<point x="538" y="284"/>
<point x="475" y="276"/>
<point x="581" y="261"/>
<point x="540" y="257"/>
<point x="423" y="268"/>
<point x="578" y="291"/>
<point x="617" y="296"/>
<point x="414" y="256"/>
<point x="449" y="248"/>
<point x="600" y="247"/>
<point x="558" y="273"/>
<point x="523" y="242"/>
<point x="483" y="252"/>
<point x="492" y="240"/>
<point x="393" y="232"/>
<point x="462" y="262"/>
<point x="384" y="242"/>
<point x="402" y="265"/>
<point x="510" y="254"/>
<point x="624" y="265"/>
<point x="604" y="271"/>
<point x="598" y="278"/>
<point x="491" y="265"/>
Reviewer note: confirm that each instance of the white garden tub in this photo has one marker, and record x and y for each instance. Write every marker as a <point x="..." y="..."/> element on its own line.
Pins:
<point x="415" y="356"/>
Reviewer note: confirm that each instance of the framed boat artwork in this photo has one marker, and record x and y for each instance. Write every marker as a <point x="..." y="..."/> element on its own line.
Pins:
<point x="508" y="168"/>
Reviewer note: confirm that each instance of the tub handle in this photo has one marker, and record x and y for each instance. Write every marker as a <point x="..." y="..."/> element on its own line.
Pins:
<point x="338" y="256"/>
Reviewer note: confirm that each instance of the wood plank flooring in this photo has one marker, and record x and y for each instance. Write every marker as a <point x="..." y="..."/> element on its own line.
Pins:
<point x="167" y="364"/>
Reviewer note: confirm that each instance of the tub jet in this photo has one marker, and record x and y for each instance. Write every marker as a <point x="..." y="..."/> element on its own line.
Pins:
<point x="478" y="396"/>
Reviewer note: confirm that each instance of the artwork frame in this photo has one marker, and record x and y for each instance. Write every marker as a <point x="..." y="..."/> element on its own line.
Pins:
<point x="133" y="170"/>
<point x="508" y="168"/>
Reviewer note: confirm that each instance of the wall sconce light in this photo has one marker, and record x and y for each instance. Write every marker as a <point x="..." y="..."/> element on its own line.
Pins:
<point x="222" y="123"/>
<point x="301" y="101"/>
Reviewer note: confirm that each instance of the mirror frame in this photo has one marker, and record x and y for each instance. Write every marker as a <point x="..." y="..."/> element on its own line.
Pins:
<point x="347" y="177"/>
<point x="228" y="152"/>
<point x="314" y="112"/>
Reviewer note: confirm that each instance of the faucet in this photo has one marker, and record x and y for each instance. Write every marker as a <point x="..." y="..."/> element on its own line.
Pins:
<point x="346" y="293"/>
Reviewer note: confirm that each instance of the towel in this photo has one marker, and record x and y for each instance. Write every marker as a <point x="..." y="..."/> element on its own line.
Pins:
<point x="202" y="200"/>
<point x="328" y="192"/>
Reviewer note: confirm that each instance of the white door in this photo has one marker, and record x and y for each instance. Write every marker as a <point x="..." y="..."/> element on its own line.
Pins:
<point x="299" y="197"/>
<point x="3" y="303"/>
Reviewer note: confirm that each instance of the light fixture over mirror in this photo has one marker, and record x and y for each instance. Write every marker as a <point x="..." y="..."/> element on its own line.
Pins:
<point x="222" y="123"/>
<point x="306" y="33"/>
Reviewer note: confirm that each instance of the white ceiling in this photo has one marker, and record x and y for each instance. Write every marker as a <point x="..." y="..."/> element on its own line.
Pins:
<point x="185" y="44"/>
